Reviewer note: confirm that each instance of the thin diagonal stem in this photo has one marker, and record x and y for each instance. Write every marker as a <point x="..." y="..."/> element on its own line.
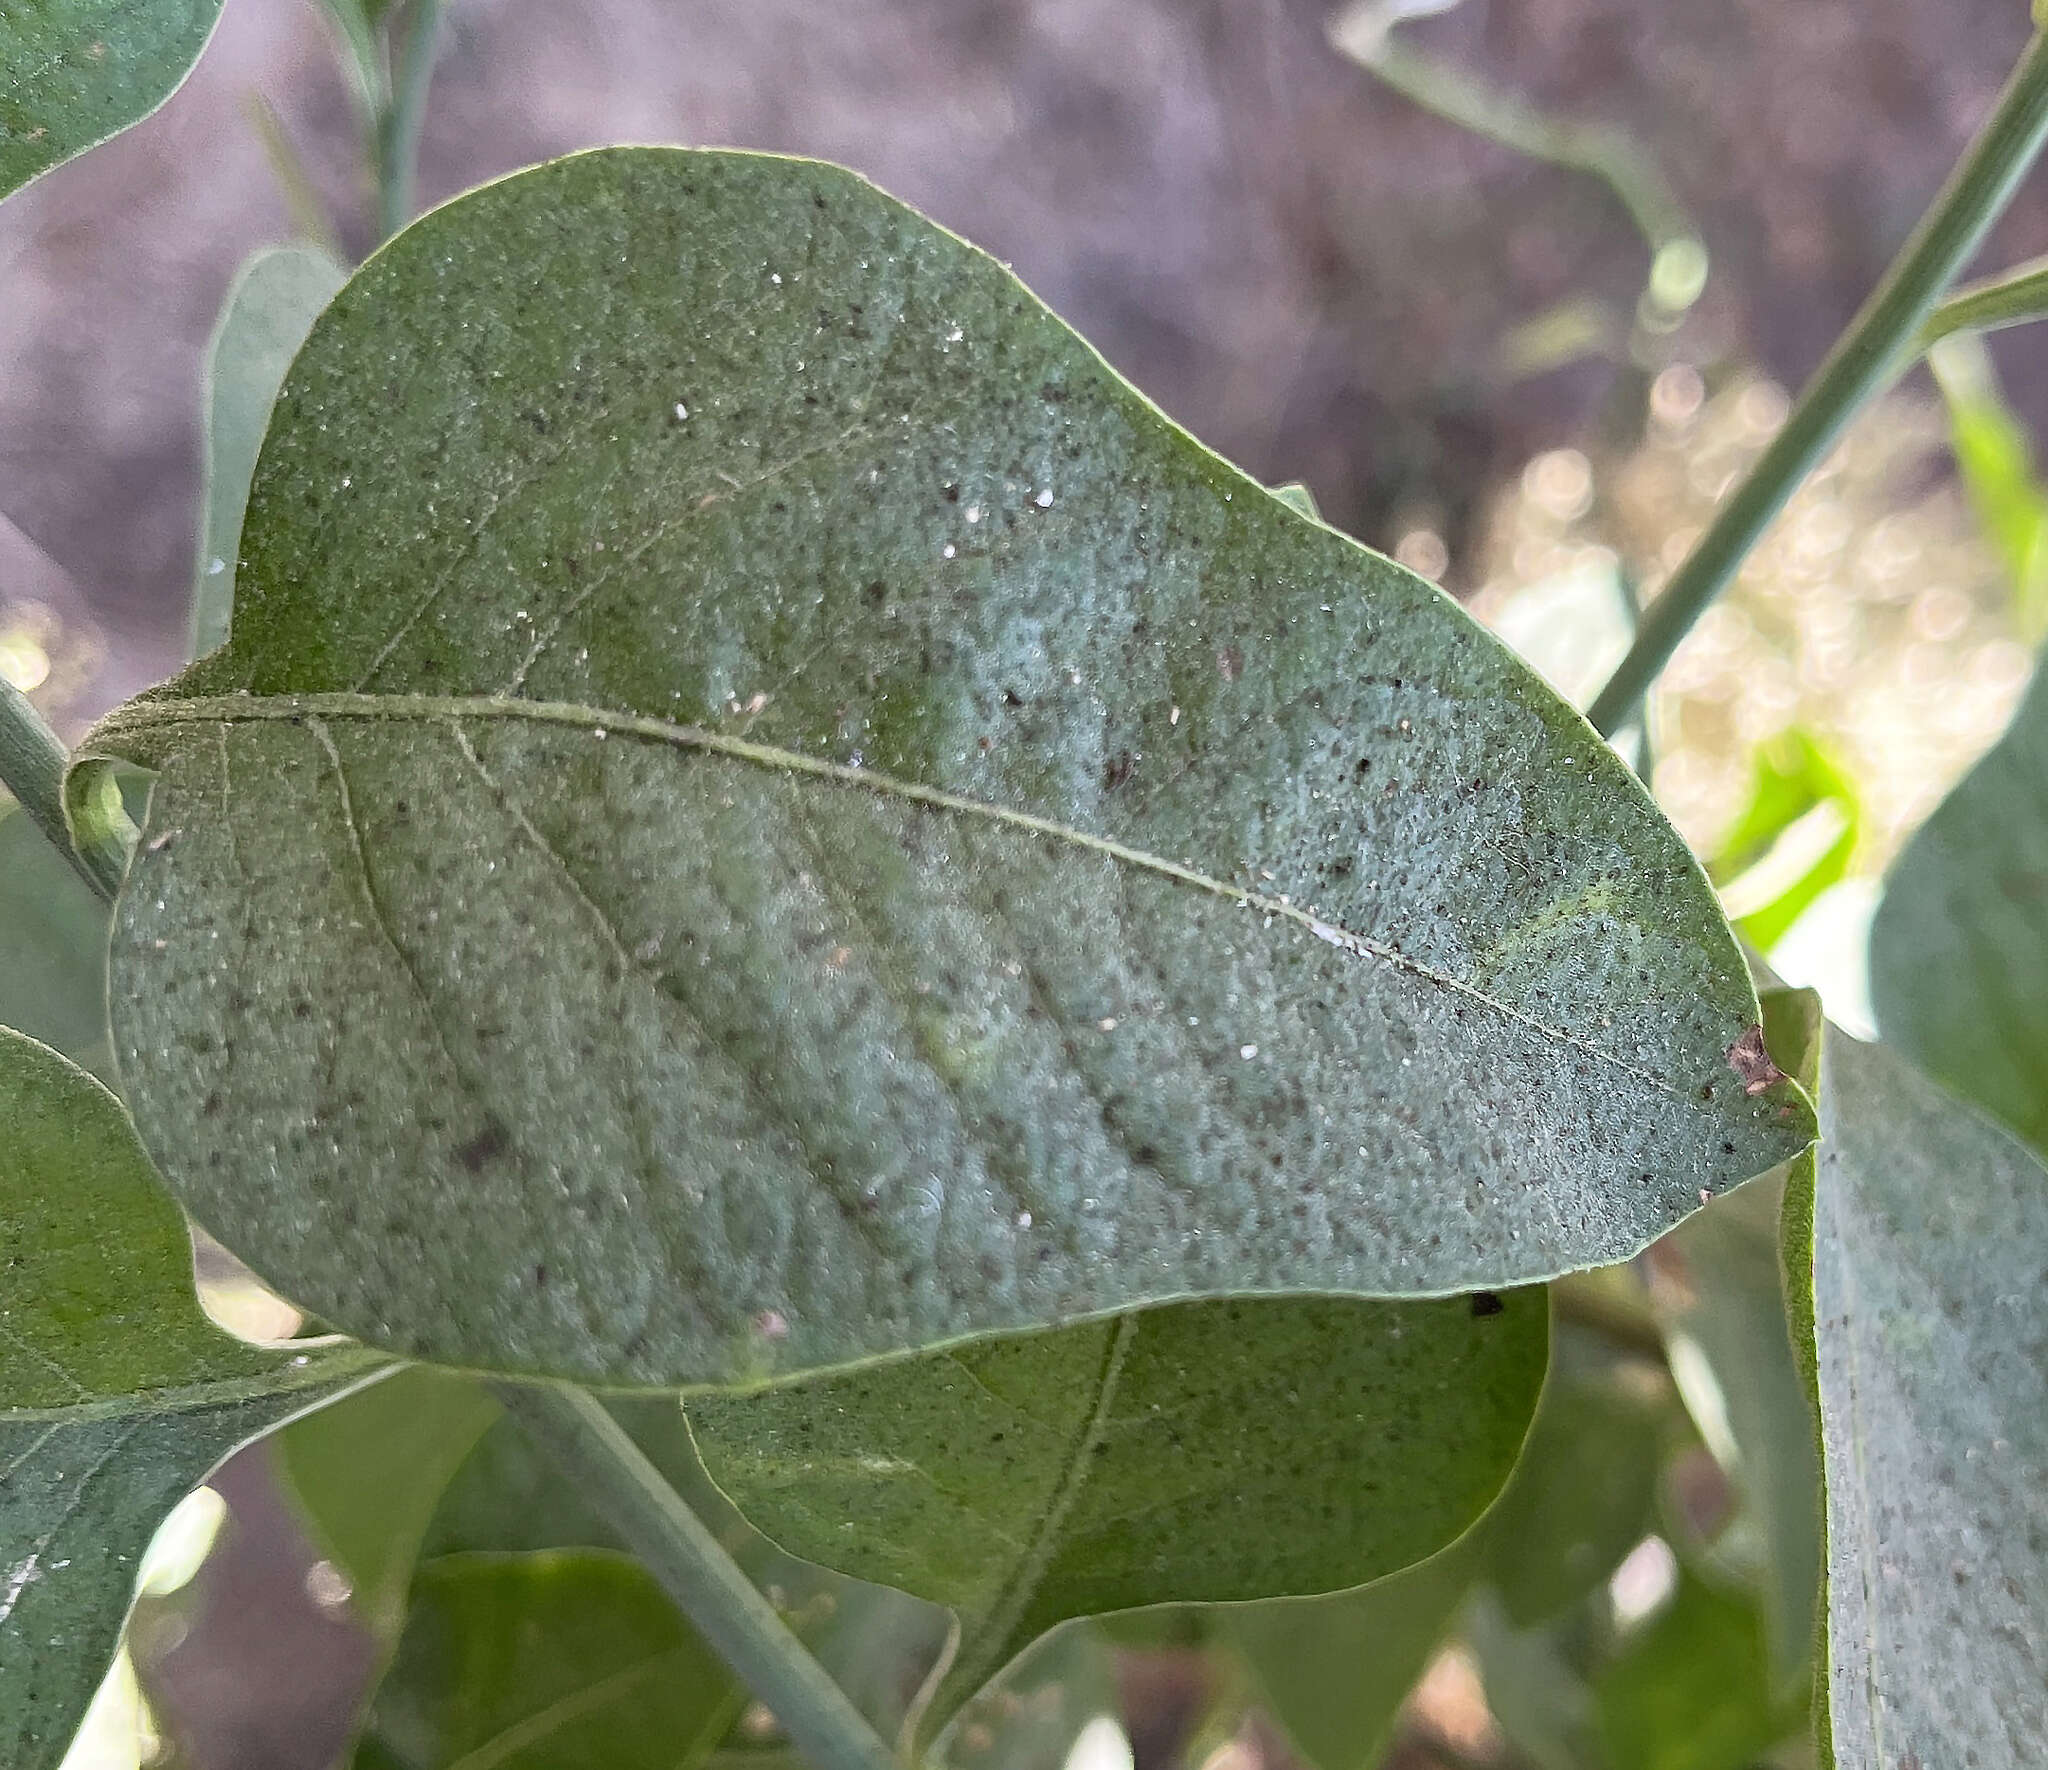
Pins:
<point x="1877" y="344"/>
<point x="32" y="763"/>
<point x="590" y="1447"/>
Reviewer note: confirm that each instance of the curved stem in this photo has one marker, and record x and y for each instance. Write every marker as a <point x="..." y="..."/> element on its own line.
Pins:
<point x="2010" y="300"/>
<point x="1877" y="342"/>
<point x="595" y="1452"/>
<point x="32" y="764"/>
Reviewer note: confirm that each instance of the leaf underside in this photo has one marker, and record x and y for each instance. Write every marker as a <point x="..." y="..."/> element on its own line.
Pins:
<point x="1929" y="1230"/>
<point x="763" y="809"/>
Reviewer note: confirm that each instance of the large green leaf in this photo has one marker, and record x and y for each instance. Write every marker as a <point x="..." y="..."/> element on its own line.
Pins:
<point x="782" y="813"/>
<point x="72" y="72"/>
<point x="569" y="1660"/>
<point x="53" y="946"/>
<point x="116" y="1393"/>
<point x="1959" y="946"/>
<point x="1930" y="1267"/>
<point x="265" y="319"/>
<point x="1200" y="1452"/>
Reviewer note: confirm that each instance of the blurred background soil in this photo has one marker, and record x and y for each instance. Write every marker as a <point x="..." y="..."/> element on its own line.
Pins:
<point x="1312" y="273"/>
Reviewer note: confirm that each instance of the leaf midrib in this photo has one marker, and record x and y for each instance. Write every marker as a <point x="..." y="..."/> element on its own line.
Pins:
<point x="239" y="709"/>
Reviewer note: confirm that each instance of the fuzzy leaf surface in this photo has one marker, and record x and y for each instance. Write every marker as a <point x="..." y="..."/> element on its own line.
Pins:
<point x="763" y="809"/>
<point x="73" y="72"/>
<point x="1930" y="1263"/>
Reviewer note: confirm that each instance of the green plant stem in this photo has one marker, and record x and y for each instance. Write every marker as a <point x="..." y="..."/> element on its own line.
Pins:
<point x="32" y="764"/>
<point x="2013" y="299"/>
<point x="398" y="125"/>
<point x="1879" y="340"/>
<point x="572" y="1428"/>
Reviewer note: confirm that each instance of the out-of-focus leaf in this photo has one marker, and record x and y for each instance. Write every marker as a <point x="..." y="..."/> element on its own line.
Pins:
<point x="1030" y="1718"/>
<point x="269" y="309"/>
<point x="1335" y="1671"/>
<point x="117" y="1395"/>
<point x="1585" y="1490"/>
<point x="1995" y="457"/>
<point x="1199" y="1452"/>
<point x="1719" y="1289"/>
<point x="1792" y="841"/>
<point x="1691" y="1689"/>
<point x="370" y="1471"/>
<point x="725" y="934"/>
<point x="1930" y="1235"/>
<point x="53" y="947"/>
<point x="1535" y="1682"/>
<point x="1959" y="946"/>
<point x="568" y="1660"/>
<point x="73" y="72"/>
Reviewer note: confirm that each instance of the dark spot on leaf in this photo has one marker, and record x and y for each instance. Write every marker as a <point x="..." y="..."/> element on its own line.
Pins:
<point x="1486" y="1303"/>
<point x="492" y="1141"/>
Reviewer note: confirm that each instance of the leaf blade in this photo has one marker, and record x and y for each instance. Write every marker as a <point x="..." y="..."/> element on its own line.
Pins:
<point x="1166" y="1456"/>
<point x="1009" y="923"/>
<point x="83" y="70"/>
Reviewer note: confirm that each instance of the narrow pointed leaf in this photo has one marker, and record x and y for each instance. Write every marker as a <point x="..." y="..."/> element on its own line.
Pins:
<point x="268" y="311"/>
<point x="1201" y="1452"/>
<point x="72" y="72"/>
<point x="1959" y="946"/>
<point x="784" y="814"/>
<point x="570" y="1660"/>
<point x="117" y="1395"/>
<point x="1930" y="1265"/>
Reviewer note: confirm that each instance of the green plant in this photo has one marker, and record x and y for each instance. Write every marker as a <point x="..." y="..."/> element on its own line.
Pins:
<point x="867" y="992"/>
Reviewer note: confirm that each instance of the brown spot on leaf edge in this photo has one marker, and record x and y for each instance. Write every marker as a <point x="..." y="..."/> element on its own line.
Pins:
<point x="1749" y="1060"/>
